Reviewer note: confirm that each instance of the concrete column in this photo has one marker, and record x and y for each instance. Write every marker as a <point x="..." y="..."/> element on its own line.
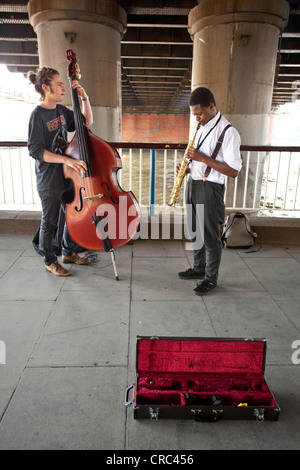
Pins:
<point x="235" y="52"/>
<point x="93" y="30"/>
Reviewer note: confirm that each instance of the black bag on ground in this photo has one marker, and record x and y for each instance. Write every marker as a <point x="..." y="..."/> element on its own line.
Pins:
<point x="237" y="232"/>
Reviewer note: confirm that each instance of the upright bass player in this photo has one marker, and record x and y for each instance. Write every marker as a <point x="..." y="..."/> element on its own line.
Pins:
<point x="47" y="141"/>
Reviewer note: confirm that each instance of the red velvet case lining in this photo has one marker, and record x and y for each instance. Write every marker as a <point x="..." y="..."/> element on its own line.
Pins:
<point x="233" y="369"/>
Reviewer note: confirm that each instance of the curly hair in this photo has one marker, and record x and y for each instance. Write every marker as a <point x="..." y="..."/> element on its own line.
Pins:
<point x="42" y="76"/>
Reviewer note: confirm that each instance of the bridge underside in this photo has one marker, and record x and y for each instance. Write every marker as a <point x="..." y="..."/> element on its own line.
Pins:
<point x="156" y="53"/>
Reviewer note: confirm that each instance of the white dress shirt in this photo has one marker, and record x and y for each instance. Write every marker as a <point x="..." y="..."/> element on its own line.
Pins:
<point x="228" y="153"/>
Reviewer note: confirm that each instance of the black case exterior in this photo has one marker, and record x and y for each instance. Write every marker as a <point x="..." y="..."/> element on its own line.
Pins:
<point x="202" y="413"/>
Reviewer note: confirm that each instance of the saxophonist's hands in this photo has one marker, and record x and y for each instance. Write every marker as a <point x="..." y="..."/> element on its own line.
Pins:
<point x="194" y="154"/>
<point x="221" y="167"/>
<point x="178" y="169"/>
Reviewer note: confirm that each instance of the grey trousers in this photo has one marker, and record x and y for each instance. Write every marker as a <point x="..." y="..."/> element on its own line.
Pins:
<point x="205" y="214"/>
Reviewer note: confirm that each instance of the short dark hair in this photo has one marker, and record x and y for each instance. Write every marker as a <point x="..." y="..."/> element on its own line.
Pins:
<point x="202" y="96"/>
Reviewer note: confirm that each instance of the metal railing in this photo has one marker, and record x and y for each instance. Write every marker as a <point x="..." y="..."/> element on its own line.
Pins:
<point x="268" y="182"/>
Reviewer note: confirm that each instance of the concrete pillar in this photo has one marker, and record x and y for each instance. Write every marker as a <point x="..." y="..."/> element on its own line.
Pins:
<point x="93" y="30"/>
<point x="235" y="52"/>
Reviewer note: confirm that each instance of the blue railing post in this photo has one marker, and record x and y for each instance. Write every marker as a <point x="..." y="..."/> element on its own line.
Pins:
<point x="152" y="182"/>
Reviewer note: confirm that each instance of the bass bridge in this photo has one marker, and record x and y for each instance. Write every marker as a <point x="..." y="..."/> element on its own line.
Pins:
<point x="95" y="196"/>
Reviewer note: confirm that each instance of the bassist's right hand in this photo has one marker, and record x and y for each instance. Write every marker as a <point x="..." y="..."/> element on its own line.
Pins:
<point x="77" y="165"/>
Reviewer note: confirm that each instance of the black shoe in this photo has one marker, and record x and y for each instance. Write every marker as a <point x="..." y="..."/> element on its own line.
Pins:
<point x="205" y="287"/>
<point x="191" y="274"/>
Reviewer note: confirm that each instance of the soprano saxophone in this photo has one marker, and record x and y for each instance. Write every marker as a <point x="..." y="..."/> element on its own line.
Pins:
<point x="182" y="171"/>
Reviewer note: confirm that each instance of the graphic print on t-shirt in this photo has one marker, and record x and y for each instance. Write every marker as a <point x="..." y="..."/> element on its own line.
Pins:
<point x="60" y="141"/>
<point x="55" y="123"/>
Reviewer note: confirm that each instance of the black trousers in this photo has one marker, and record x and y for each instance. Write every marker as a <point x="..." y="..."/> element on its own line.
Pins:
<point x="52" y="204"/>
<point x="205" y="213"/>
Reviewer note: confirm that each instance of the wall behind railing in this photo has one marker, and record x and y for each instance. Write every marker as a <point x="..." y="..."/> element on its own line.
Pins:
<point x="171" y="128"/>
<point x="149" y="170"/>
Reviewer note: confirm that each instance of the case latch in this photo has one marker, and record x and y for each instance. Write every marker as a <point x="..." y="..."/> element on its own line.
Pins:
<point x="153" y="412"/>
<point x="259" y="413"/>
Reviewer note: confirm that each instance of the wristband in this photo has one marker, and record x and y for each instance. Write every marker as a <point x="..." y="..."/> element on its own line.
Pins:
<point x="85" y="99"/>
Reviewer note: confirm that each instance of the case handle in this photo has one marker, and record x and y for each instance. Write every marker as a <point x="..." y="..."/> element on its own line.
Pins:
<point x="128" y="402"/>
<point x="216" y="416"/>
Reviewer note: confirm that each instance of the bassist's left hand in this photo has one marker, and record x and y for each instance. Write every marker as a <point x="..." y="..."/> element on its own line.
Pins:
<point x="80" y="90"/>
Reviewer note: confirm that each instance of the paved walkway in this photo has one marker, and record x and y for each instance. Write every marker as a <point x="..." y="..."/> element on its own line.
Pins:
<point x="70" y="344"/>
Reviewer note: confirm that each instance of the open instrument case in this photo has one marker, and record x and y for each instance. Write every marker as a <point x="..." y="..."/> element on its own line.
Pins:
<point x="205" y="379"/>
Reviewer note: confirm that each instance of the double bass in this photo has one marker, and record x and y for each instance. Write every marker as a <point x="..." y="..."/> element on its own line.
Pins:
<point x="101" y="216"/>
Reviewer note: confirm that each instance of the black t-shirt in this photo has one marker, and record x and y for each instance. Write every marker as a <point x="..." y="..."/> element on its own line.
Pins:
<point x="48" y="130"/>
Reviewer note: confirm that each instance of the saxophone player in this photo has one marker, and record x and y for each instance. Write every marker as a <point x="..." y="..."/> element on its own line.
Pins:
<point x="216" y="154"/>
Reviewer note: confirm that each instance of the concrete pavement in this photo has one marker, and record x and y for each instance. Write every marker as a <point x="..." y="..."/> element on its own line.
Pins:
<point x="70" y="344"/>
